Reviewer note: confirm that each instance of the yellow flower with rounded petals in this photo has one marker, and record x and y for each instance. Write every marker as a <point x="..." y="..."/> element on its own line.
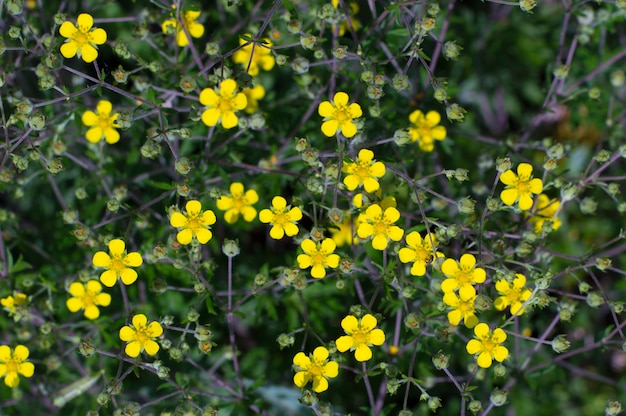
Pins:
<point x="117" y="263"/>
<point x="195" y="29"/>
<point x="315" y="368"/>
<point x="420" y="251"/>
<point x="338" y="115"/>
<point x="254" y="55"/>
<point x="82" y="39"/>
<point x="102" y="123"/>
<point x="520" y="187"/>
<point x="546" y="210"/>
<point x="461" y="275"/>
<point x="361" y="335"/>
<point x="463" y="307"/>
<point x="193" y="223"/>
<point x="14" y="304"/>
<point x="282" y="217"/>
<point x="379" y="225"/>
<point x="87" y="296"/>
<point x="512" y="295"/>
<point x="425" y="129"/>
<point x="222" y="103"/>
<point x="253" y="95"/>
<point x="238" y="203"/>
<point x="13" y="364"/>
<point x="140" y="336"/>
<point x="364" y="171"/>
<point x="487" y="345"/>
<point x="318" y="257"/>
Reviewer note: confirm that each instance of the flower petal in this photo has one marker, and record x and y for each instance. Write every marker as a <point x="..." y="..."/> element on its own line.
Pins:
<point x="509" y="196"/>
<point x="185" y="236"/>
<point x="67" y="29"/>
<point x="108" y="278"/>
<point x="133" y="259"/>
<point x="326" y="109"/>
<point x="128" y="276"/>
<point x="362" y="353"/>
<point x="127" y="333"/>
<point x="329" y="128"/>
<point x="116" y="247"/>
<point x="377" y="337"/>
<point x="340" y="99"/>
<point x="178" y="220"/>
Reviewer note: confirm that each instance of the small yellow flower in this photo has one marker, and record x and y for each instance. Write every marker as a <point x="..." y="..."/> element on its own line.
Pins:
<point x="195" y="29"/>
<point x="222" y="103"/>
<point x="461" y="275"/>
<point x="15" y="304"/>
<point x="520" y="187"/>
<point x="363" y="171"/>
<point x="253" y="95"/>
<point x="87" y="296"/>
<point x="318" y="257"/>
<point x="13" y="363"/>
<point x="420" y="251"/>
<point x="316" y="368"/>
<point x="546" y="210"/>
<point x="194" y="223"/>
<point x="378" y="225"/>
<point x="338" y="115"/>
<point x="361" y="335"/>
<point x="513" y="295"/>
<point x="140" y="336"/>
<point x="282" y="217"/>
<point x="102" y="123"/>
<point x="117" y="263"/>
<point x="425" y="129"/>
<point x="238" y="203"/>
<point x="463" y="307"/>
<point x="82" y="39"/>
<point x="251" y="59"/>
<point x="487" y="345"/>
<point x="344" y="233"/>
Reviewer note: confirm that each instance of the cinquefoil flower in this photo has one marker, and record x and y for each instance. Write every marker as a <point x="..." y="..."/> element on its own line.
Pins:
<point x="222" y="103"/>
<point x="546" y="210"/>
<point x="82" y="38"/>
<point x="318" y="257"/>
<point x="520" y="187"/>
<point x="461" y="275"/>
<point x="338" y="115"/>
<point x="463" y="307"/>
<point x="487" y="345"/>
<point x="13" y="364"/>
<point x="255" y="55"/>
<point x="315" y="368"/>
<point x="379" y="225"/>
<point x="512" y="295"/>
<point x="253" y="95"/>
<point x="238" y="203"/>
<point x="361" y="335"/>
<point x="420" y="251"/>
<point x="87" y="296"/>
<point x="282" y="217"/>
<point x="102" y="123"/>
<point x="195" y="29"/>
<point x="364" y="171"/>
<point x="117" y="263"/>
<point x="425" y="129"/>
<point x="141" y="336"/>
<point x="15" y="304"/>
<point x="193" y="223"/>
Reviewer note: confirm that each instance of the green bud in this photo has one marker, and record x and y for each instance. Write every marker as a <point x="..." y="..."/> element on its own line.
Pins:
<point x="80" y="193"/>
<point x="367" y="77"/>
<point x="594" y="93"/>
<point x="346" y="266"/>
<point x="434" y="403"/>
<point x="466" y="206"/>
<point x="400" y="82"/>
<point x="120" y="76"/>
<point x="124" y="119"/>
<point x="121" y="50"/>
<point x="560" y="344"/>
<point x="212" y="48"/>
<point x="433" y="9"/>
<point x="475" y="406"/>
<point x="569" y="192"/>
<point x="193" y="316"/>
<point x="70" y="216"/>
<point x="14" y="7"/>
<point x="14" y="32"/>
<point x="392" y="388"/>
<point x="374" y="92"/>
<point x="561" y="71"/>
<point x="163" y="372"/>
<point x="294" y="26"/>
<point x="86" y="348"/>
<point x="340" y="52"/>
<point x="37" y="121"/>
<point x="440" y="360"/>
<point x="584" y="287"/>
<point x="498" y="397"/>
<point x="603" y="156"/>
<point x="405" y="413"/>
<point x="102" y="399"/>
<point x="285" y="340"/>
<point x="595" y="299"/>
<point x="308" y="42"/>
<point x="231" y="248"/>
<point x="588" y="206"/>
<point x="183" y="166"/>
<point x="613" y="408"/>
<point x="455" y="112"/>
<point x="281" y="60"/>
<point x="412" y="322"/>
<point x="113" y="205"/>
<point x="300" y="65"/>
<point x="618" y="78"/>
<point x="176" y="354"/>
<point x="451" y="50"/>
<point x="54" y="166"/>
<point x="499" y="370"/>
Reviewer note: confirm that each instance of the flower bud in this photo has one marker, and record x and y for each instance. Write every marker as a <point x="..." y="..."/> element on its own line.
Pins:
<point x="560" y="344"/>
<point x="498" y="397"/>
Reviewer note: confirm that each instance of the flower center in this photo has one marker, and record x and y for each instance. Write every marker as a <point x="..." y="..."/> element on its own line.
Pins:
<point x="318" y="258"/>
<point x="193" y="224"/>
<point x="316" y="370"/>
<point x="341" y="115"/>
<point x="360" y="337"/>
<point x="104" y="121"/>
<point x="225" y="106"/>
<point x="142" y="336"/>
<point x="280" y="218"/>
<point x="12" y="366"/>
<point x="117" y="264"/>
<point x="522" y="186"/>
<point x="362" y="171"/>
<point x="381" y="228"/>
<point x="88" y="299"/>
<point x="239" y="202"/>
<point x="81" y="37"/>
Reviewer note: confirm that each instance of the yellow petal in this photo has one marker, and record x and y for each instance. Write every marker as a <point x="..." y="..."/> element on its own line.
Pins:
<point x="133" y="349"/>
<point x="331" y="369"/>
<point x="116" y="247"/>
<point x="5" y="353"/>
<point x="500" y="353"/>
<point x="211" y="116"/>
<point x="391" y="214"/>
<point x="329" y="127"/>
<point x="77" y="289"/>
<point x="94" y="134"/>
<point x="98" y="36"/>
<point x="108" y="278"/>
<point x="380" y="242"/>
<point x="101" y="259"/>
<point x="326" y="109"/>
<point x="509" y="196"/>
<point x="344" y="343"/>
<point x="240" y="101"/>
<point x="203" y="235"/>
<point x="498" y="335"/>
<point x="228" y="87"/>
<point x="355" y="110"/>
<point x="377" y="337"/>
<point x="320" y="354"/>
<point x="89" y="53"/>
<point x="484" y="360"/>
<point x="67" y="30"/>
<point x="74" y="304"/>
<point x="103" y="299"/>
<point x="448" y="285"/>
<point x="454" y="317"/>
<point x="348" y="129"/>
<point x="111" y="136"/>
<point x="193" y="207"/>
<point x="69" y="49"/>
<point x="525" y="201"/>
<point x="133" y="259"/>
<point x="301" y="378"/>
<point x="508" y="178"/>
<point x="332" y="261"/>
<point x="304" y="261"/>
<point x="362" y="353"/>
<point x="128" y="276"/>
<point x="473" y="346"/>
<point x="139" y="320"/>
<point x="418" y="268"/>
<point x="89" y="118"/>
<point x="350" y="324"/>
<point x="318" y="271"/>
<point x="340" y="99"/>
<point x="229" y="120"/>
<point x="151" y="347"/>
<point x="277" y="232"/>
<point x="27" y="369"/>
<point x="535" y="186"/>
<point x="84" y="21"/>
<point x="209" y="97"/>
<point x="92" y="312"/>
<point x="524" y="170"/>
<point x="320" y="384"/>
<point x="178" y="220"/>
<point x="11" y="379"/>
<point x="481" y="330"/>
<point x="127" y="333"/>
<point x="301" y="360"/>
<point x="279" y="203"/>
<point x="290" y="229"/>
<point x="432" y="118"/>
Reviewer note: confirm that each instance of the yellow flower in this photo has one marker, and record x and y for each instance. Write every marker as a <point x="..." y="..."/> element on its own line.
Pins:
<point x="82" y="39"/>
<point x="318" y="257"/>
<point x="487" y="344"/>
<point x="425" y="129"/>
<point x="344" y="233"/>
<point x="282" y="217"/>
<point x="520" y="187"/>
<point x="195" y="29"/>
<point x="88" y="297"/>
<point x="118" y="264"/>
<point x="13" y="363"/>
<point x="547" y="209"/>
<point x="513" y="295"/>
<point x="314" y="368"/>
<point x="463" y="307"/>
<point x="194" y="223"/>
<point x="338" y="115"/>
<point x="378" y="225"/>
<point x="238" y="203"/>
<point x="420" y="251"/>
<point x="140" y="336"/>
<point x="251" y="59"/>
<point x="461" y="275"/>
<point x="14" y="305"/>
<point x="253" y="95"/>
<point x="222" y="103"/>
<point x="363" y="171"/>
<point x="361" y="334"/>
<point x="102" y="123"/>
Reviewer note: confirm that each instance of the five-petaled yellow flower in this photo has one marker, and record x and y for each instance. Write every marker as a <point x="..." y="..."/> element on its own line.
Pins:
<point x="140" y="336"/>
<point x="420" y="251"/>
<point x="82" y="38"/>
<point x="117" y="263"/>
<point x="194" y="223"/>
<point x="338" y="115"/>
<point x="463" y="307"/>
<point x="361" y="335"/>
<point x="87" y="296"/>
<point x="195" y="29"/>
<point x="282" y="217"/>
<point x="520" y="187"/>
<point x="462" y="275"/>
<point x="546" y="210"/>
<point x="222" y="103"/>
<point x="253" y="95"/>
<point x="255" y="55"/>
<point x="318" y="257"/>
<point x="425" y="129"/>
<point x="363" y="171"/>
<point x="487" y="345"/>
<point x="512" y="295"/>
<point x="102" y="123"/>
<point x="13" y="364"/>
<point x="379" y="225"/>
<point x="14" y="304"/>
<point x="238" y="203"/>
<point x="316" y="368"/>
